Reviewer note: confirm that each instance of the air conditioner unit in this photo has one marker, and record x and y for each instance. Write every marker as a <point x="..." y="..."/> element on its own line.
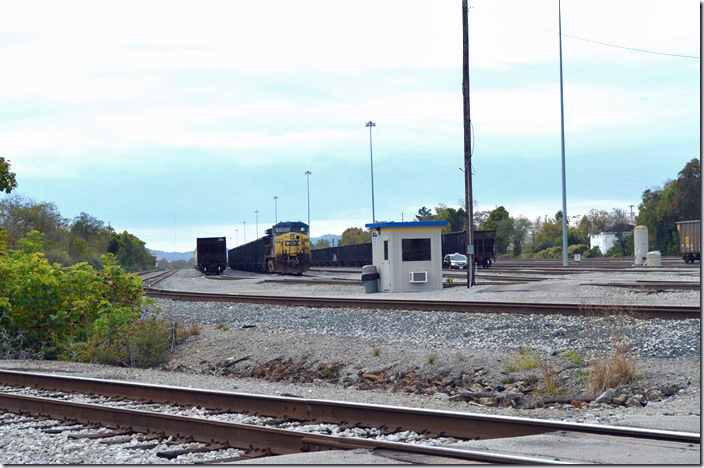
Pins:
<point x="419" y="277"/>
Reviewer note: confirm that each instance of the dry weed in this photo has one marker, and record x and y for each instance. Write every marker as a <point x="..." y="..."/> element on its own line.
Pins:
<point x="611" y="329"/>
<point x="610" y="370"/>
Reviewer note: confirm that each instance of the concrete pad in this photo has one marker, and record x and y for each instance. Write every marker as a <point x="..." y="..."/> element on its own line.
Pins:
<point x="691" y="423"/>
<point x="327" y="457"/>
<point x="587" y="448"/>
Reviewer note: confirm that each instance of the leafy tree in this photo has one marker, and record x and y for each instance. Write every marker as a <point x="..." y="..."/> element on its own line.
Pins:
<point x="500" y="221"/>
<point x="7" y="177"/>
<point x="688" y="198"/>
<point x="549" y="235"/>
<point x="321" y="244"/>
<point x="355" y="235"/>
<point x="519" y="234"/>
<point x="456" y="217"/>
<point x="130" y="252"/>
<point x="584" y="229"/>
<point x="424" y="214"/>
<point x="662" y="208"/>
<point x="20" y="215"/>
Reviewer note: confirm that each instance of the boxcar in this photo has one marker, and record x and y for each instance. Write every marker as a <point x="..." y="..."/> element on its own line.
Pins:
<point x="690" y="242"/>
<point x="211" y="255"/>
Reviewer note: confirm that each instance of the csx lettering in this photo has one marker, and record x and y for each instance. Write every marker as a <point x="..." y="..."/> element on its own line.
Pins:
<point x="292" y="243"/>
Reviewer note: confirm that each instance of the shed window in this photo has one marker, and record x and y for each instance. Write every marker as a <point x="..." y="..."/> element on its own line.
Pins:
<point x="415" y="250"/>
<point x="386" y="250"/>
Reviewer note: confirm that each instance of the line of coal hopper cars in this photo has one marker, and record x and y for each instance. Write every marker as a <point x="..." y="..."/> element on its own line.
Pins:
<point x="284" y="249"/>
<point x="358" y="255"/>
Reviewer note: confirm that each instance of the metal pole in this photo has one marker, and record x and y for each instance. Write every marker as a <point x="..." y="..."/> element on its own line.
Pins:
<point x="276" y="213"/>
<point x="256" y="221"/>
<point x="562" y="127"/>
<point x="467" y="148"/>
<point x="308" y="173"/>
<point x="236" y="238"/>
<point x="244" y="232"/>
<point x="371" y="124"/>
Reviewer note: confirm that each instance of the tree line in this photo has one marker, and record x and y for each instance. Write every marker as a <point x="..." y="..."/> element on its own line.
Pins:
<point x="660" y="209"/>
<point x="83" y="238"/>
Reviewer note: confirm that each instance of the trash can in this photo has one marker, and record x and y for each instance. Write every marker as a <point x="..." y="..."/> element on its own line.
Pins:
<point x="370" y="278"/>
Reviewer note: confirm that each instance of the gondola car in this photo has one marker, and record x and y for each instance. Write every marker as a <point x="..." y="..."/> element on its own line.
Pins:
<point x="483" y="245"/>
<point x="211" y="255"/>
<point x="284" y="249"/>
<point x="358" y="255"/>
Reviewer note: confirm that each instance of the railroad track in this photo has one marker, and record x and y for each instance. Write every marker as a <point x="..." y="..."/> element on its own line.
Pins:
<point x="639" y="311"/>
<point x="155" y="278"/>
<point x="267" y="439"/>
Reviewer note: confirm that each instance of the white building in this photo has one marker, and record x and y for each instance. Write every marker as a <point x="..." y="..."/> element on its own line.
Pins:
<point x="603" y="240"/>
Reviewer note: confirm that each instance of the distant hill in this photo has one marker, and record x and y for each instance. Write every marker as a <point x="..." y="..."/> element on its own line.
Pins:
<point x="328" y="237"/>
<point x="171" y="256"/>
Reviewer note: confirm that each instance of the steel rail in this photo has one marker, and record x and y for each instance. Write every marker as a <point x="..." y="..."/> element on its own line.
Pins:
<point x="157" y="278"/>
<point x="639" y="311"/>
<point x="241" y="436"/>
<point x="347" y="414"/>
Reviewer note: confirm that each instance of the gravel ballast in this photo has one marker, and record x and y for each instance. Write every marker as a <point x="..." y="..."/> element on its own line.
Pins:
<point x="367" y="354"/>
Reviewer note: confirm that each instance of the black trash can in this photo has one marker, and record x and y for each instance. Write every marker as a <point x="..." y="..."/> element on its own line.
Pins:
<point x="371" y="282"/>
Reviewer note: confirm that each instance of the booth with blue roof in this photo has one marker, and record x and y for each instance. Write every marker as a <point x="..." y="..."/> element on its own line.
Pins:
<point x="408" y="255"/>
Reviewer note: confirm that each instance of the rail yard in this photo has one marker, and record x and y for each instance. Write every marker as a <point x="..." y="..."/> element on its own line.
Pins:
<point x="323" y="350"/>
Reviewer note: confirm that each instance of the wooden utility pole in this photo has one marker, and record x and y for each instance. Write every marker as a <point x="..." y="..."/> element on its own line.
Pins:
<point x="467" y="149"/>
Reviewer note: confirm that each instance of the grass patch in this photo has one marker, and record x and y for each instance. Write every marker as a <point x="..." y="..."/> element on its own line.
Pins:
<point x="574" y="357"/>
<point x="222" y="326"/>
<point x="432" y="358"/>
<point x="528" y="358"/>
<point x="551" y="382"/>
<point x="376" y="351"/>
<point x="184" y="331"/>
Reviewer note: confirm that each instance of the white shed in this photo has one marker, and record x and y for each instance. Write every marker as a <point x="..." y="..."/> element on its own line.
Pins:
<point x="408" y="255"/>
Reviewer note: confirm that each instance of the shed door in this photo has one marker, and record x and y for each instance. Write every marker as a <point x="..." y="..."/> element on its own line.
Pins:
<point x="385" y="268"/>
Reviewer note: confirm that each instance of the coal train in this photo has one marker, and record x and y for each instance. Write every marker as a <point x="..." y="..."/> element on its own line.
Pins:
<point x="358" y="255"/>
<point x="284" y="249"/>
<point x="211" y="255"/>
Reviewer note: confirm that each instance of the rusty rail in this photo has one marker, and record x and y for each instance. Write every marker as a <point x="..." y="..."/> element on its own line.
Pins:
<point x="638" y="311"/>
<point x="252" y="439"/>
<point x="387" y="418"/>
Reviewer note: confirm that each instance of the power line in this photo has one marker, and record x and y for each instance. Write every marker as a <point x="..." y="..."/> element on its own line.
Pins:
<point x="614" y="45"/>
<point x="604" y="43"/>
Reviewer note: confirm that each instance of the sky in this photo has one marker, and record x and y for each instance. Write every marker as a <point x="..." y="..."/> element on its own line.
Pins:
<point x="182" y="119"/>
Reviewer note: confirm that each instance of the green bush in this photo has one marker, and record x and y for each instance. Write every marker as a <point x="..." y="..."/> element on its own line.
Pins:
<point x="74" y="312"/>
<point x="577" y="249"/>
<point x="550" y="252"/>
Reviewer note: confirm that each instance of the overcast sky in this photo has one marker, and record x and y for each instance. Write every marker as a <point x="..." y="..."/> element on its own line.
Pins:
<point x="178" y="119"/>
